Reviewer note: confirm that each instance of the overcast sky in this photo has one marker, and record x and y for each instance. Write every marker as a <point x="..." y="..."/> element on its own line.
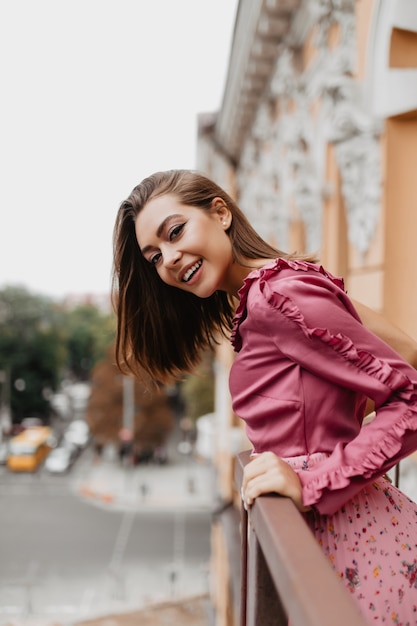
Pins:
<point x="95" y="95"/>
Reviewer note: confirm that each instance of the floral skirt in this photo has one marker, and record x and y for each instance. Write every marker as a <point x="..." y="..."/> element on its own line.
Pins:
<point x="371" y="543"/>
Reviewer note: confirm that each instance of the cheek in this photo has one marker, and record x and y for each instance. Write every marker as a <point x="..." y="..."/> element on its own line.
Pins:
<point x="166" y="276"/>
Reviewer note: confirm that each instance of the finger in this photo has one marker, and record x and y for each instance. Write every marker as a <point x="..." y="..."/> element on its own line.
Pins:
<point x="273" y="472"/>
<point x="265" y="483"/>
<point x="251" y="474"/>
<point x="260" y="463"/>
<point x="285" y="482"/>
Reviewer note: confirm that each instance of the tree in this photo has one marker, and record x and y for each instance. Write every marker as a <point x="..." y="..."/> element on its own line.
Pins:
<point x="198" y="388"/>
<point x="153" y="416"/>
<point x="42" y="342"/>
<point x="89" y="334"/>
<point x="32" y="351"/>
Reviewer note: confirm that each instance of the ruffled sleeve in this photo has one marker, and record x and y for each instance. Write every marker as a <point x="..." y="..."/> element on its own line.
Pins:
<point x="311" y="321"/>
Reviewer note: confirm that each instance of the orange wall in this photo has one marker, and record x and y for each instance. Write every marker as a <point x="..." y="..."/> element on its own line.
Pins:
<point x="400" y="289"/>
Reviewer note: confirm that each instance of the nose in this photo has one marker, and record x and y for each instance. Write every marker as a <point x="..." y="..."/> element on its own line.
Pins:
<point x="171" y="256"/>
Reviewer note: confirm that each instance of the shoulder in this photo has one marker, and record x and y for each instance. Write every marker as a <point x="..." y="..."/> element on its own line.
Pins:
<point x="296" y="280"/>
<point x="308" y="296"/>
<point x="299" y="291"/>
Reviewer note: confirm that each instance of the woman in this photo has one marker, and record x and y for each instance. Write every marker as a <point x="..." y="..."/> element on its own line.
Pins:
<point x="304" y="370"/>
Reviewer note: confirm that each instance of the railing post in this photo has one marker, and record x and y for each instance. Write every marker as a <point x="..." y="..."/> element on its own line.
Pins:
<point x="244" y="566"/>
<point x="263" y="603"/>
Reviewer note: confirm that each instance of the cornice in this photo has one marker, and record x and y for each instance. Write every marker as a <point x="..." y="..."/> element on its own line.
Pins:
<point x="260" y="27"/>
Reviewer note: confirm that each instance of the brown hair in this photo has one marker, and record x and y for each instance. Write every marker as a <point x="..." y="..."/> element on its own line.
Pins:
<point x="161" y="329"/>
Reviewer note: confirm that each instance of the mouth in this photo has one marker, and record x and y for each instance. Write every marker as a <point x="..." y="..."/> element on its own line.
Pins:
<point x="191" y="271"/>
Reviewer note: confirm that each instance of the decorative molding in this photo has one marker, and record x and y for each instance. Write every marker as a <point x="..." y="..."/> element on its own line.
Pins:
<point x="355" y="134"/>
<point x="390" y="91"/>
<point x="360" y="168"/>
<point x="266" y="122"/>
<point x="261" y="25"/>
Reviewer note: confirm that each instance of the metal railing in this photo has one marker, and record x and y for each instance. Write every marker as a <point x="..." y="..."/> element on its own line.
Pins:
<point x="286" y="578"/>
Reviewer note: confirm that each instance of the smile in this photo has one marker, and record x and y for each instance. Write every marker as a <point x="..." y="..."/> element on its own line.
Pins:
<point x="189" y="273"/>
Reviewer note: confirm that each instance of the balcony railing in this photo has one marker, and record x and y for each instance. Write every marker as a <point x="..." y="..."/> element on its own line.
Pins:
<point x="285" y="576"/>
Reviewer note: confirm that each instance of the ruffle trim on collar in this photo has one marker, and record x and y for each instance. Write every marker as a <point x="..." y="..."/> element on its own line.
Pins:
<point x="264" y="273"/>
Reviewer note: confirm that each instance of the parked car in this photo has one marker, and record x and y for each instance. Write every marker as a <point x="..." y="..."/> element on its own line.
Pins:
<point x="59" y="460"/>
<point x="78" y="433"/>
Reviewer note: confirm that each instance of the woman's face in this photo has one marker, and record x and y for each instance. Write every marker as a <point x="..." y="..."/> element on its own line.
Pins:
<point x="187" y="246"/>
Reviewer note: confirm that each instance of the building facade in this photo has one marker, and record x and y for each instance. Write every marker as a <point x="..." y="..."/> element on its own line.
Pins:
<point x="316" y="138"/>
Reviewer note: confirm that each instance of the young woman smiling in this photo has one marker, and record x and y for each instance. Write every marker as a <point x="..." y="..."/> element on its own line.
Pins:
<point x="188" y="267"/>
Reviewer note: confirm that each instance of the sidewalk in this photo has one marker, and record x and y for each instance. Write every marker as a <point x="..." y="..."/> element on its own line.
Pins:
<point x="187" y="484"/>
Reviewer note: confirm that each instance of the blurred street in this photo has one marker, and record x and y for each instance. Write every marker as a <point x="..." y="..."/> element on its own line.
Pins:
<point x="184" y="484"/>
<point x="110" y="543"/>
<point x="105" y="539"/>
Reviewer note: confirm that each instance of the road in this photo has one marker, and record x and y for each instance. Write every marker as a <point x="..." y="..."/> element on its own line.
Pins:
<point x="63" y="559"/>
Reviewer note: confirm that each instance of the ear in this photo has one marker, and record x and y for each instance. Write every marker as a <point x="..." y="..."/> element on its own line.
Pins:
<point x="222" y="212"/>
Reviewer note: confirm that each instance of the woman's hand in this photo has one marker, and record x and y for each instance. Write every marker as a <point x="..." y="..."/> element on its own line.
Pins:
<point x="267" y="473"/>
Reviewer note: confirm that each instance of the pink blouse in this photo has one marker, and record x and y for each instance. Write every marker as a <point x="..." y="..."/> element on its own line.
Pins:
<point x="304" y="368"/>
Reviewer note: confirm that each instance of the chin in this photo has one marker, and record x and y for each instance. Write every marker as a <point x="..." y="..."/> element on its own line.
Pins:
<point x="203" y="293"/>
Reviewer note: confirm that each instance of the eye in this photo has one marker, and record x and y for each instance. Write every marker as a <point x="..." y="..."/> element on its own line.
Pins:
<point x="153" y="260"/>
<point x="175" y="231"/>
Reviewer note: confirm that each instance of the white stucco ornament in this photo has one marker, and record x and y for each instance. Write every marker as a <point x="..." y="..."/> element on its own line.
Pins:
<point x="390" y="90"/>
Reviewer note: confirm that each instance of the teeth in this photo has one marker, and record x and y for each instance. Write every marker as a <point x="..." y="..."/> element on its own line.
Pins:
<point x="191" y="271"/>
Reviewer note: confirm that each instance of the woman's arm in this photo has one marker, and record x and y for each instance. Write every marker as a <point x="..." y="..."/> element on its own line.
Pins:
<point x="267" y="473"/>
<point x="392" y="335"/>
<point x="315" y="325"/>
<point x="399" y="341"/>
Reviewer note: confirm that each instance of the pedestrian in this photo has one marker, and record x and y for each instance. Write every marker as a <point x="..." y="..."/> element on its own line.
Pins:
<point x="188" y="269"/>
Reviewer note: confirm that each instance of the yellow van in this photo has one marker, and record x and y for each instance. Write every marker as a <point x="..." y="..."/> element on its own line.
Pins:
<point x="28" y="449"/>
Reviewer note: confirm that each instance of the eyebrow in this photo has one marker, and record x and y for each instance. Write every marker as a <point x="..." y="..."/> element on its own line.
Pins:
<point x="160" y="230"/>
